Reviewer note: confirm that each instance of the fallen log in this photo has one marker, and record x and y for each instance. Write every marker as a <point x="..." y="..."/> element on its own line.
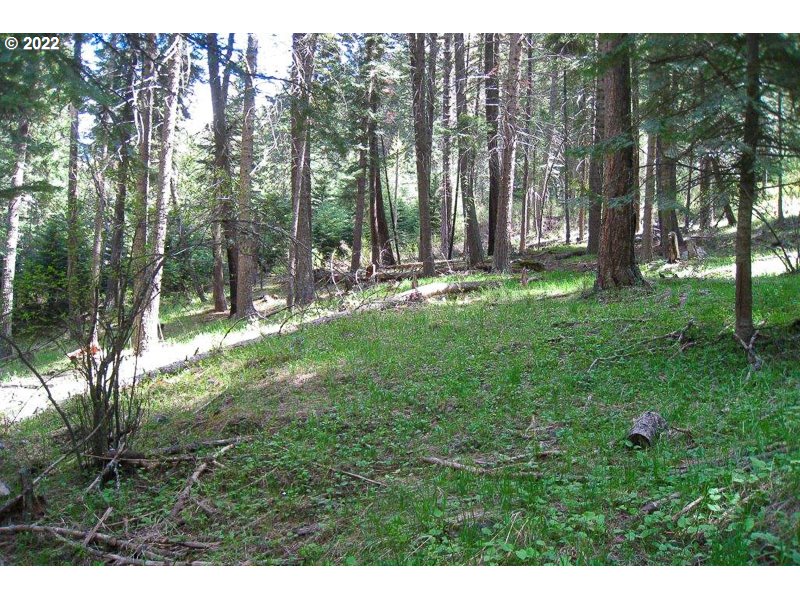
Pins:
<point x="438" y="289"/>
<point x="571" y="254"/>
<point x="646" y="429"/>
<point x="527" y="263"/>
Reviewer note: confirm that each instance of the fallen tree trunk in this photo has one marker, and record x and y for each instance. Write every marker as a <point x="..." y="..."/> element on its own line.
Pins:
<point x="646" y="429"/>
<point x="438" y="289"/>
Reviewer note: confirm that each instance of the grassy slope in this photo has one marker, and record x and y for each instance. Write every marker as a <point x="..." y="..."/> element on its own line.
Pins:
<point x="498" y="374"/>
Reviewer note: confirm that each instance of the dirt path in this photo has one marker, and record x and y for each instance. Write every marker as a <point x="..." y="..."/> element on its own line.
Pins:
<point x="23" y="397"/>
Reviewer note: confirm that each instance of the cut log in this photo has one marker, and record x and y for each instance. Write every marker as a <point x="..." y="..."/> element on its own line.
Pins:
<point x="646" y="429"/>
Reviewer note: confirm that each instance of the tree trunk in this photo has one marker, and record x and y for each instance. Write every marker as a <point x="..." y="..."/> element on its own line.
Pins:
<point x="148" y="334"/>
<point x="492" y="98"/>
<point x="584" y="140"/>
<point x="301" y="282"/>
<point x="12" y="237"/>
<point x="649" y="195"/>
<point x="596" y="173"/>
<point x="552" y="150"/>
<point x="361" y="184"/>
<point x="747" y="194"/>
<point x="246" y="231"/>
<point x="74" y="308"/>
<point x="466" y="159"/>
<point x="667" y="182"/>
<point x="501" y="262"/>
<point x="147" y="48"/>
<point x="97" y="247"/>
<point x="686" y="219"/>
<point x="565" y="146"/>
<point x="721" y="190"/>
<point x="780" y="159"/>
<point x="224" y="224"/>
<point x="114" y="285"/>
<point x="447" y="192"/>
<point x="704" y="216"/>
<point x="528" y="165"/>
<point x="380" y="242"/>
<point x="422" y="139"/>
<point x="616" y="264"/>
<point x="635" y="118"/>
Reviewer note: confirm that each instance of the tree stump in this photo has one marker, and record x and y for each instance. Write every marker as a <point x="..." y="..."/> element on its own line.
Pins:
<point x="646" y="429"/>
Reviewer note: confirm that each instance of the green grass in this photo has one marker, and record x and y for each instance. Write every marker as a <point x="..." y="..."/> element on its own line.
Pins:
<point x="497" y="374"/>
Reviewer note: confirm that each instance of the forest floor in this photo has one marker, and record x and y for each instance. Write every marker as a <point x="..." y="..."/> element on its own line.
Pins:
<point x="527" y="391"/>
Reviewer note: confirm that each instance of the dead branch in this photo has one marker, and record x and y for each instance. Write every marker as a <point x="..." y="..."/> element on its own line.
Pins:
<point x="654" y="505"/>
<point x="456" y="465"/>
<point x="357" y="476"/>
<point x="147" y="462"/>
<point x="691" y="506"/>
<point x="64" y="533"/>
<point x="195" y="446"/>
<point x="679" y="335"/>
<point x="106" y="469"/>
<point x="194" y="478"/>
<point x="754" y="359"/>
<point x="90" y="536"/>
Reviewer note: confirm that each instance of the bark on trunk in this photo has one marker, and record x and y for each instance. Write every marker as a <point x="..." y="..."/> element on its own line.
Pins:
<point x="466" y="159"/>
<point x="492" y="97"/>
<point x="114" y="285"/>
<point x="635" y="118"/>
<point x="147" y="48"/>
<point x="649" y="195"/>
<point x="565" y="146"/>
<point x="646" y="429"/>
<point x="422" y="140"/>
<point x="501" y="262"/>
<point x="12" y="237"/>
<point x="224" y="223"/>
<point x="447" y="192"/>
<point x="301" y="283"/>
<point x="721" y="190"/>
<point x="616" y="264"/>
<point x="667" y="182"/>
<point x="97" y="246"/>
<point x="704" y="216"/>
<point x="686" y="219"/>
<point x="380" y="243"/>
<point x="747" y="194"/>
<point x="780" y="159"/>
<point x="148" y="334"/>
<point x="361" y="184"/>
<point x="74" y="308"/>
<point x="246" y="230"/>
<point x="529" y="165"/>
<point x="596" y="173"/>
